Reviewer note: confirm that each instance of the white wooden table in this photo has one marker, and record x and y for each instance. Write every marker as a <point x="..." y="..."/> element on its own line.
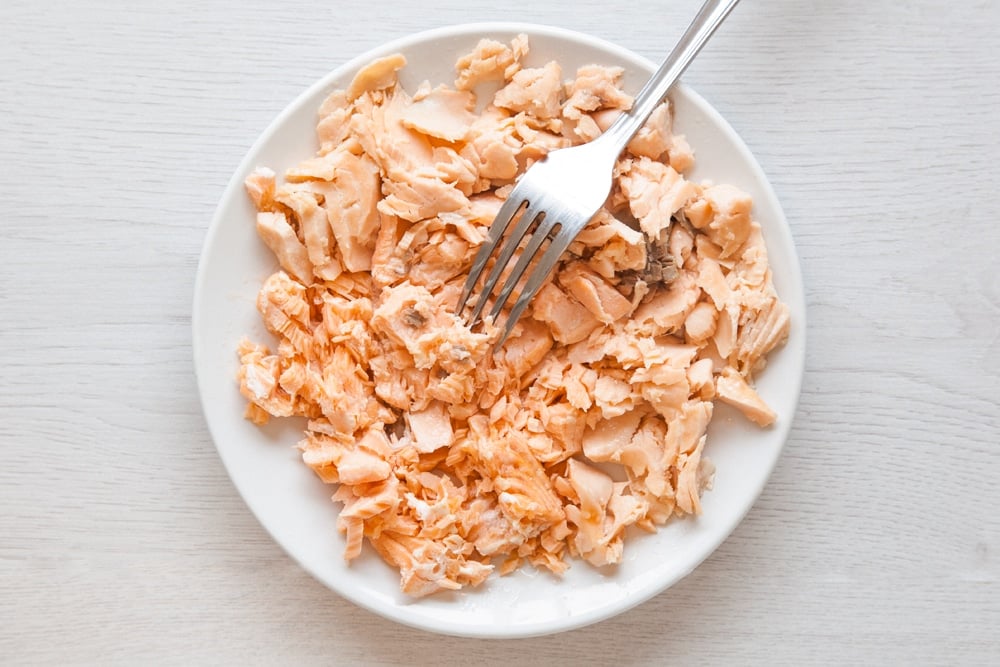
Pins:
<point x="122" y="539"/>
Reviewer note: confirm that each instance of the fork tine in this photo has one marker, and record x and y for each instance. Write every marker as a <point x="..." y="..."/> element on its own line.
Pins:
<point x="507" y="211"/>
<point x="559" y="244"/>
<point x="530" y="250"/>
<point x="507" y="250"/>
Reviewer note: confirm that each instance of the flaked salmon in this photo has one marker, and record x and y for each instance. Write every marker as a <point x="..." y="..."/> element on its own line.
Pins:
<point x="454" y="461"/>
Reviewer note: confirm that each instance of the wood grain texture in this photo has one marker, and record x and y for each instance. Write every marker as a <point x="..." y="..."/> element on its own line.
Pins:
<point x="122" y="539"/>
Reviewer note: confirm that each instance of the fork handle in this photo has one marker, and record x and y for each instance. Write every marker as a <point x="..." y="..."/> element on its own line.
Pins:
<point x="710" y="16"/>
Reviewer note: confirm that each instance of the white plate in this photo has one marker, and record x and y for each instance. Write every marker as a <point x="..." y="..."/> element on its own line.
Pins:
<point x="294" y="506"/>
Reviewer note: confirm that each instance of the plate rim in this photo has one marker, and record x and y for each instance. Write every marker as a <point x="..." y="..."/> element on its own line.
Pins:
<point x="779" y="226"/>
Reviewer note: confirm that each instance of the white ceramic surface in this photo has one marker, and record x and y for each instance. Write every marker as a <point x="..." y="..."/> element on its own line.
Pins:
<point x="294" y="506"/>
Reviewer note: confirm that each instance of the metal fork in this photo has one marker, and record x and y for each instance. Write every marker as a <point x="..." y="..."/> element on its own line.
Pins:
<point x="560" y="193"/>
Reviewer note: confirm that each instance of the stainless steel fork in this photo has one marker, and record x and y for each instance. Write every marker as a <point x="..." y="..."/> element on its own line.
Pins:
<point x="560" y="193"/>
